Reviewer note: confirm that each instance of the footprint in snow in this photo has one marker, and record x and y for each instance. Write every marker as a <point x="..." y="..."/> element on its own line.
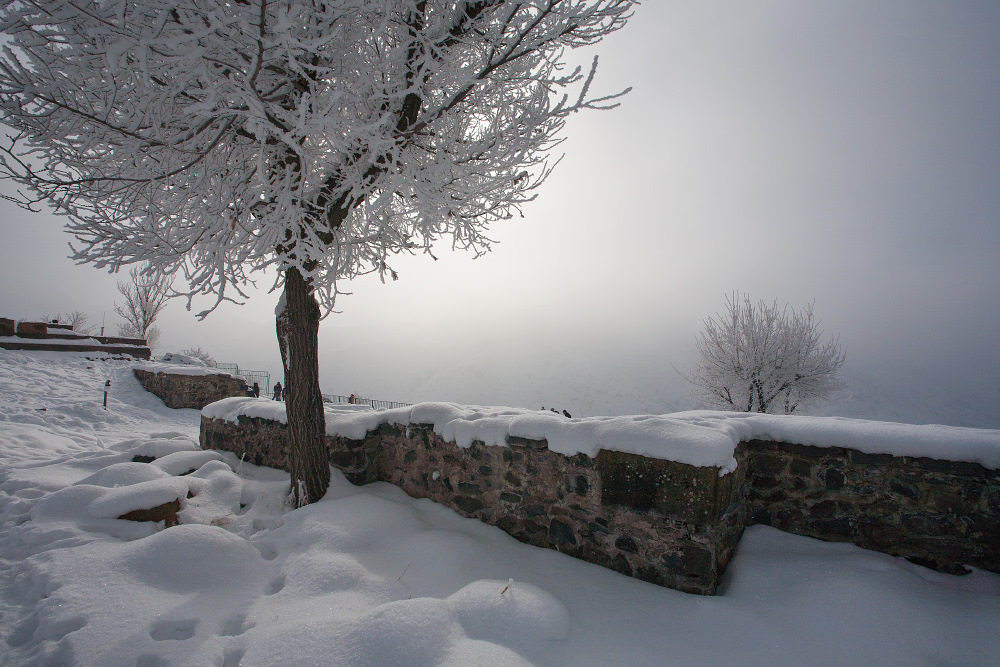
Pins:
<point x="233" y="626"/>
<point x="173" y="629"/>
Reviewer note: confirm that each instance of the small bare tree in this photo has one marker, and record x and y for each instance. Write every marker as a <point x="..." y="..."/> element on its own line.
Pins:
<point x="145" y="296"/>
<point x="78" y="320"/>
<point x="762" y="358"/>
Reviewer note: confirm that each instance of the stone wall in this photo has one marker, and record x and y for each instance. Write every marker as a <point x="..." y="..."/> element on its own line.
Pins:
<point x="190" y="391"/>
<point x="670" y="523"/>
<point x="943" y="514"/>
<point x="56" y="337"/>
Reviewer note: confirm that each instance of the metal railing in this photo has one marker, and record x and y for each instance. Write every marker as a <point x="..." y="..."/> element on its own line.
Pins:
<point x="337" y="399"/>
<point x="263" y="378"/>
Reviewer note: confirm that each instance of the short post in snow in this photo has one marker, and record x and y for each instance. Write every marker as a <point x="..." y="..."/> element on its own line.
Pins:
<point x="107" y="385"/>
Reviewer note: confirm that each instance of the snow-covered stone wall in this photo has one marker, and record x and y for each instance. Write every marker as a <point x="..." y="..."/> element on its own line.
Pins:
<point x="666" y="522"/>
<point x="670" y="522"/>
<point x="187" y="390"/>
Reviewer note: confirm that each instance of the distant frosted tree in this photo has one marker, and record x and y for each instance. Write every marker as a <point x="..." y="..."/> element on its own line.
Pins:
<point x="214" y="138"/>
<point x="200" y="354"/>
<point x="144" y="297"/>
<point x="762" y="358"/>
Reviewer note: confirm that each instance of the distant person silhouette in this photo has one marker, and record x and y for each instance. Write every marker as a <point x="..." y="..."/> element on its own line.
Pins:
<point x="256" y="390"/>
<point x="277" y="391"/>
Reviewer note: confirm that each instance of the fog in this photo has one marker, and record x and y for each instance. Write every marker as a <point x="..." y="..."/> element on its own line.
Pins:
<point x="846" y="154"/>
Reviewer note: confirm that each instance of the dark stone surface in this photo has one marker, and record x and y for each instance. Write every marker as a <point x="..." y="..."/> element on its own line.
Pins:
<point x="561" y="533"/>
<point x="929" y="510"/>
<point x="626" y="543"/>
<point x="904" y="490"/>
<point x="834" y="479"/>
<point x="468" y="505"/>
<point x="800" y="468"/>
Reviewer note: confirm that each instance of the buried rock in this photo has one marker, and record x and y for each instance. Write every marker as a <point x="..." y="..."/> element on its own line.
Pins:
<point x="167" y="513"/>
<point x="152" y="500"/>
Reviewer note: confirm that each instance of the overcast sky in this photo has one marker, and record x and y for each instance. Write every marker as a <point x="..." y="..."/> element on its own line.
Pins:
<point x="844" y="152"/>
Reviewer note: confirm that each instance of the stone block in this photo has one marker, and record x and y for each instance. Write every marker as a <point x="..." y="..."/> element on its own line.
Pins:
<point x="526" y="443"/>
<point x="467" y="504"/>
<point x="7" y="327"/>
<point x="32" y="329"/>
<point x="685" y="492"/>
<point x="561" y="533"/>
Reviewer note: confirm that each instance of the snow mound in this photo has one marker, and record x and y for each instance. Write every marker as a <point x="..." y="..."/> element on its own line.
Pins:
<point x="191" y="559"/>
<point x="217" y="495"/>
<point x="65" y="515"/>
<point x="157" y="447"/>
<point x="321" y="572"/>
<point x="183" y="359"/>
<point x="182" y="462"/>
<point x="510" y="613"/>
<point x="414" y="632"/>
<point x="124" y="474"/>
<point x="142" y="496"/>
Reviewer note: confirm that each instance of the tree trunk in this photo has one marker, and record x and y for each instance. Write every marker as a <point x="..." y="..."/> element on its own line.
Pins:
<point x="298" y="338"/>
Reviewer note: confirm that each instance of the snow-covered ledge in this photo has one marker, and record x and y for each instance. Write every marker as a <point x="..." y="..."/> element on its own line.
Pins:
<point x="664" y="498"/>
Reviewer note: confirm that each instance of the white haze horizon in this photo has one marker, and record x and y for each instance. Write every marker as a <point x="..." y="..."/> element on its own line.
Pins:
<point x="845" y="154"/>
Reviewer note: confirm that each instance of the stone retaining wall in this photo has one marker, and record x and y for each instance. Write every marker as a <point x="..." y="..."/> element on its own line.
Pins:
<point x="665" y="522"/>
<point x="943" y="514"/>
<point x="190" y="391"/>
<point x="668" y="523"/>
<point x="56" y="337"/>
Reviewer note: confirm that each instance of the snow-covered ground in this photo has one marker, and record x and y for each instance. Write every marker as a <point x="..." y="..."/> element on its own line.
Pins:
<point x="369" y="576"/>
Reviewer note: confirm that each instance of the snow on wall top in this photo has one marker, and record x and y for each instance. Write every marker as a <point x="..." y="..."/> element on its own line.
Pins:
<point x="178" y="358"/>
<point x="175" y="368"/>
<point x="699" y="438"/>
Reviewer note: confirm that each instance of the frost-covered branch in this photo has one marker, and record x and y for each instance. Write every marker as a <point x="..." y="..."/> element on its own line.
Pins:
<point x="215" y="138"/>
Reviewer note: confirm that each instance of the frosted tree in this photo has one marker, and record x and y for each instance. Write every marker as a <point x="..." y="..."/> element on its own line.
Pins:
<point x="144" y="296"/>
<point x="218" y="138"/>
<point x="762" y="358"/>
<point x="202" y="355"/>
